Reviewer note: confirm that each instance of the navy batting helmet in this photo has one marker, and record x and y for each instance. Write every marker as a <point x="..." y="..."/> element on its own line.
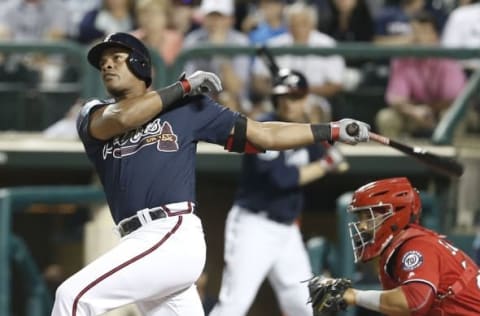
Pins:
<point x="138" y="61"/>
<point x="290" y="82"/>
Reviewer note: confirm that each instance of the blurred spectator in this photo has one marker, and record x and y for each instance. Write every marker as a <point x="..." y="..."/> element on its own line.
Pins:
<point x="183" y="16"/>
<point x="112" y="16"/>
<point x="392" y="25"/>
<point x="462" y="30"/>
<point x="78" y="9"/>
<point x="264" y="21"/>
<point x="33" y="20"/>
<point x="392" y="21"/>
<point x="153" y="21"/>
<point x="351" y="21"/>
<point x="419" y="89"/>
<point x="324" y="73"/>
<point x="217" y="29"/>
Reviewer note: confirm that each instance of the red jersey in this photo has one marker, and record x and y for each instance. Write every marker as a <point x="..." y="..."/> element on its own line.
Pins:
<point x="421" y="255"/>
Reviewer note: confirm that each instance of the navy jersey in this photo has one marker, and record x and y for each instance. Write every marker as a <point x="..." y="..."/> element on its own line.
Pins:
<point x="269" y="181"/>
<point x="155" y="164"/>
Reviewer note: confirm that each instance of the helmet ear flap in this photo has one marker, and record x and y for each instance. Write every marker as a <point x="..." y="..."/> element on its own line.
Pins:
<point x="140" y="66"/>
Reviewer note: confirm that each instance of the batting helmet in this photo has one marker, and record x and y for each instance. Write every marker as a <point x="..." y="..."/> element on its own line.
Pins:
<point x="383" y="208"/>
<point x="290" y="82"/>
<point x="138" y="61"/>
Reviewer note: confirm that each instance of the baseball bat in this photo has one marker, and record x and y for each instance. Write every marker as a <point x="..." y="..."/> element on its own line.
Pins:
<point x="444" y="165"/>
<point x="269" y="60"/>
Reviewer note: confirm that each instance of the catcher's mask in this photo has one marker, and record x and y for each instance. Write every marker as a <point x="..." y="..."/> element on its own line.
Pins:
<point x="381" y="210"/>
<point x="289" y="83"/>
<point x="139" y="61"/>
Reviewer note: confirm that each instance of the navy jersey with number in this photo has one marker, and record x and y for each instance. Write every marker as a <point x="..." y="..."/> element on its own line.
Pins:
<point x="269" y="181"/>
<point x="155" y="164"/>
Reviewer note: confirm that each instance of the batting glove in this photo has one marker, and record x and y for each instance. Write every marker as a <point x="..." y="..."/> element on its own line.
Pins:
<point x="349" y="131"/>
<point x="200" y="82"/>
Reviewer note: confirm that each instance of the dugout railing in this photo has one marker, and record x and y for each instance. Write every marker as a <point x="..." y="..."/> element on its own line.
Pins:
<point x="13" y="250"/>
<point x="89" y="82"/>
<point x="28" y="102"/>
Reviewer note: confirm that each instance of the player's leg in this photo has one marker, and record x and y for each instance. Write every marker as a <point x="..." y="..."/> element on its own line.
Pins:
<point x="286" y="277"/>
<point x="250" y="248"/>
<point x="160" y="258"/>
<point x="186" y="302"/>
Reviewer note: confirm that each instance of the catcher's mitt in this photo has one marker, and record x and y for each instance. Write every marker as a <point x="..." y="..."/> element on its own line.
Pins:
<point x="326" y="295"/>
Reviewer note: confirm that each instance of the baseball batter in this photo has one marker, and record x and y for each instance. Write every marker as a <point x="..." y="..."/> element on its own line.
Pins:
<point x="421" y="272"/>
<point x="262" y="239"/>
<point x="142" y="143"/>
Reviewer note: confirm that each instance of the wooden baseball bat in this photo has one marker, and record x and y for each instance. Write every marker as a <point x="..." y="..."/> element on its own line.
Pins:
<point x="444" y="165"/>
<point x="269" y="60"/>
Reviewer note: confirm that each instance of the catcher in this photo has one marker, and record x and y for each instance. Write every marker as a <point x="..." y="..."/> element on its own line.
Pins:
<point x="420" y="271"/>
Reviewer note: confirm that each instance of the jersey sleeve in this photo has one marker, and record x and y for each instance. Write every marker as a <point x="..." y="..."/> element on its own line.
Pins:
<point x="418" y="261"/>
<point x="83" y="121"/>
<point x="211" y="121"/>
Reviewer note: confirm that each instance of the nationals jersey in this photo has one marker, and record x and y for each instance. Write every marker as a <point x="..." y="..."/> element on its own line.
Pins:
<point x="269" y="181"/>
<point x="427" y="257"/>
<point x="154" y="164"/>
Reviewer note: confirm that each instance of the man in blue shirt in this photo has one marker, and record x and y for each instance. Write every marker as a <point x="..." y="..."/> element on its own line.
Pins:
<point x="262" y="239"/>
<point x="143" y="143"/>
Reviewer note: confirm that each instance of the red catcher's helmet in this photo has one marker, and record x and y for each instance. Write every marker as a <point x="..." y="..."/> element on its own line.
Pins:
<point x="139" y="61"/>
<point x="382" y="210"/>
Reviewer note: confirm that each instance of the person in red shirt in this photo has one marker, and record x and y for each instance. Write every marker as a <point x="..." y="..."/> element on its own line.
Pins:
<point x="421" y="272"/>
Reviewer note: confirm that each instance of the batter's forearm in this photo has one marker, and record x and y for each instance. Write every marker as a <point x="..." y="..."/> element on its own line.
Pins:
<point x="280" y="135"/>
<point x="134" y="112"/>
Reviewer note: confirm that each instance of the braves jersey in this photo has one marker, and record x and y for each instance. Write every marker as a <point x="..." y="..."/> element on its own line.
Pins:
<point x="154" y="165"/>
<point x="428" y="258"/>
<point x="269" y="181"/>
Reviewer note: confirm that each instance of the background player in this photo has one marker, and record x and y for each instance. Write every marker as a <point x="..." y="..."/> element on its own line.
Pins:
<point x="262" y="238"/>
<point x="420" y="271"/>
<point x="143" y="144"/>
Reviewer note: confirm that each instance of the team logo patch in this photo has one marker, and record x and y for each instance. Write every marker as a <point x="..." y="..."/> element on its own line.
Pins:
<point x="412" y="260"/>
<point x="154" y="133"/>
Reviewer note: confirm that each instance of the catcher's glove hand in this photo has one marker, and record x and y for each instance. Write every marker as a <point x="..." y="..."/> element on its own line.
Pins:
<point x="326" y="295"/>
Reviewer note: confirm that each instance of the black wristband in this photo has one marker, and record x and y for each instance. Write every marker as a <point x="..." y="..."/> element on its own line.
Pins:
<point x="171" y="95"/>
<point x="321" y="132"/>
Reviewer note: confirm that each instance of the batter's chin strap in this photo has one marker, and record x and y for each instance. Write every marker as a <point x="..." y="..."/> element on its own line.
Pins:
<point x="238" y="141"/>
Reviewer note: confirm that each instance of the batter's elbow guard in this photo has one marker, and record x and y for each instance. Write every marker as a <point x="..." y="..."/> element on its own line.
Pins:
<point x="248" y="148"/>
<point x="238" y="141"/>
